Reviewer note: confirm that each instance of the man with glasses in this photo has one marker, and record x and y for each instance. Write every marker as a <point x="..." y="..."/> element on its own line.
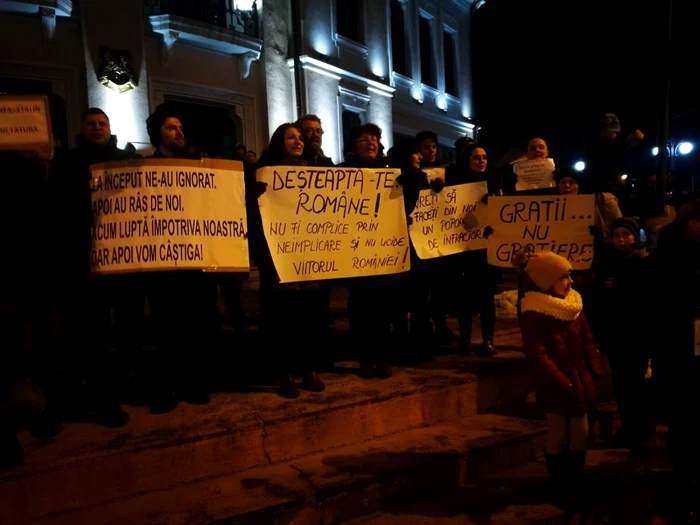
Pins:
<point x="313" y="138"/>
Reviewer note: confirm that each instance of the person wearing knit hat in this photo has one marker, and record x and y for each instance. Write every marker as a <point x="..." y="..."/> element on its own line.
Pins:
<point x="546" y="269"/>
<point x="626" y="234"/>
<point x="611" y="126"/>
<point x="564" y="361"/>
<point x="622" y="303"/>
<point x="567" y="180"/>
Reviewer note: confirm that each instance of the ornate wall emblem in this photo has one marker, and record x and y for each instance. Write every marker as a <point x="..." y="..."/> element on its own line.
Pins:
<point x="116" y="69"/>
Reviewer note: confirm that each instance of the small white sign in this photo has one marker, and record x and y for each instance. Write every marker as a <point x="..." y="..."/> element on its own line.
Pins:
<point x="24" y="122"/>
<point x="534" y="174"/>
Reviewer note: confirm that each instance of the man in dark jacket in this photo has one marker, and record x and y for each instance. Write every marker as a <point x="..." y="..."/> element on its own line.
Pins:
<point x="184" y="302"/>
<point x="82" y="301"/>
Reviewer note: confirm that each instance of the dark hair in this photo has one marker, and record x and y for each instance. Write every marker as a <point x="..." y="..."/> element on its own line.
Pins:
<point x="463" y="158"/>
<point x="426" y="135"/>
<point x="462" y="142"/>
<point x="358" y="131"/>
<point x="308" y="116"/>
<point x="401" y="154"/>
<point x="566" y="171"/>
<point x="527" y="144"/>
<point x="93" y="111"/>
<point x="156" y="120"/>
<point x="276" y="153"/>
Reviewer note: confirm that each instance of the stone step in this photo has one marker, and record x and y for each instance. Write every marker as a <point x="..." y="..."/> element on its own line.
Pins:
<point x="619" y="488"/>
<point x="452" y="513"/>
<point x="90" y="466"/>
<point x="602" y="424"/>
<point x="329" y="487"/>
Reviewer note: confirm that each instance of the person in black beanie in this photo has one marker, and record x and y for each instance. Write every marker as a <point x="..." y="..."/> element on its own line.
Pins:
<point x="623" y="309"/>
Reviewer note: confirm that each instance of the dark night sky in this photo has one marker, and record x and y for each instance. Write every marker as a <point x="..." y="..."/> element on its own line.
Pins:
<point x="554" y="67"/>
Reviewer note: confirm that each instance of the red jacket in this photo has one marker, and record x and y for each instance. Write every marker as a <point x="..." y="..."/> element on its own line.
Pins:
<point x="561" y="352"/>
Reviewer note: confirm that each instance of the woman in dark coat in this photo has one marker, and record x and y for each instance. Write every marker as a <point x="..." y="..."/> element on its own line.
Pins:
<point x="564" y="361"/>
<point x="293" y="316"/>
<point x="468" y="283"/>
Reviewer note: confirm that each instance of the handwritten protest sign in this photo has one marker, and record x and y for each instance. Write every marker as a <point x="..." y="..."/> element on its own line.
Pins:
<point x="330" y="223"/>
<point x="534" y="174"/>
<point x="167" y="214"/>
<point x="449" y="222"/>
<point x="24" y="122"/>
<point x="557" y="223"/>
<point x="434" y="173"/>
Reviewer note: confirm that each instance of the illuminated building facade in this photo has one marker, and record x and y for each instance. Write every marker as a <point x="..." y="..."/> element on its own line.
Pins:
<point x="402" y="64"/>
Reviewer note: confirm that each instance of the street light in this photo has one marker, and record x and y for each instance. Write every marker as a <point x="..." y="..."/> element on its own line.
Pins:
<point x="685" y="147"/>
<point x="580" y="165"/>
<point x="675" y="148"/>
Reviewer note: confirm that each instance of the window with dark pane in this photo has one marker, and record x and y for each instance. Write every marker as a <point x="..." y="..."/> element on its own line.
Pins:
<point x="398" y="38"/>
<point x="451" y="86"/>
<point x="348" y="18"/>
<point x="350" y="120"/>
<point x="427" y="63"/>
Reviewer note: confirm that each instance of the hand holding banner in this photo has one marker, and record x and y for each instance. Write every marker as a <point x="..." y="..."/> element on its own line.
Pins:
<point x="331" y="223"/>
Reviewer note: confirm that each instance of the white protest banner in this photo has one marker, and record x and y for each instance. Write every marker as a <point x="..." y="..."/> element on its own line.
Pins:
<point x="558" y="223"/>
<point x="434" y="173"/>
<point x="168" y="214"/>
<point x="25" y="122"/>
<point x="534" y="174"/>
<point x="449" y="222"/>
<point x="331" y="223"/>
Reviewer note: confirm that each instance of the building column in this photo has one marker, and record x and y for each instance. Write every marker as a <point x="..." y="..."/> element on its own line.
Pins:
<point x="117" y="27"/>
<point x="322" y="100"/>
<point x="380" y="113"/>
<point x="277" y="21"/>
<point x="465" y="70"/>
<point x="412" y="17"/>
